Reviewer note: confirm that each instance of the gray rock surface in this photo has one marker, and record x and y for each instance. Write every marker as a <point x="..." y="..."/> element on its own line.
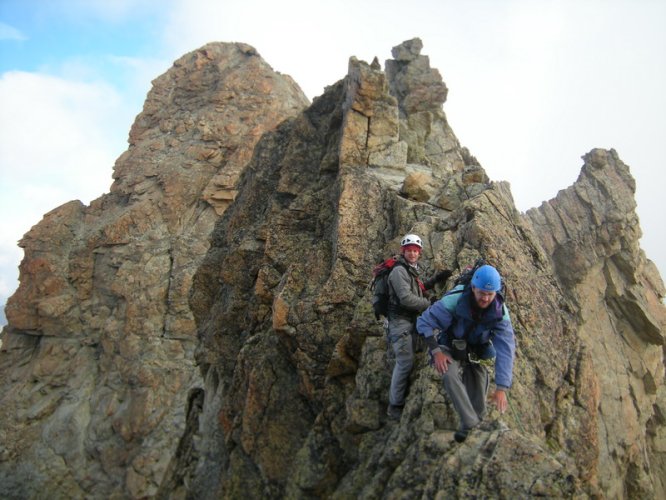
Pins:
<point x="591" y="231"/>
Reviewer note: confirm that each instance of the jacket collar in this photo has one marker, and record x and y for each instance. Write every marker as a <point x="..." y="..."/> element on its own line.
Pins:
<point x="412" y="268"/>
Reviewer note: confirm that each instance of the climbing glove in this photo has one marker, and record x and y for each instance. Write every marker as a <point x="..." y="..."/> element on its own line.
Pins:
<point x="442" y="276"/>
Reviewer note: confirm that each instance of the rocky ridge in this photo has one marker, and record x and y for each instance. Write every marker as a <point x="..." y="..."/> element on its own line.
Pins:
<point x="101" y="393"/>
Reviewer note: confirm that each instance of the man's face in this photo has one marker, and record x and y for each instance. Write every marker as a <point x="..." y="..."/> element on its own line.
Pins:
<point x="412" y="253"/>
<point x="483" y="298"/>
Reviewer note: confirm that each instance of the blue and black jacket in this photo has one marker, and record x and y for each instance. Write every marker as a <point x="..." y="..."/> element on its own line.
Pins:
<point x="451" y="318"/>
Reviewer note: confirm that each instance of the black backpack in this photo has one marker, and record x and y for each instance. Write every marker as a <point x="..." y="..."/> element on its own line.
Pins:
<point x="380" y="286"/>
<point x="465" y="278"/>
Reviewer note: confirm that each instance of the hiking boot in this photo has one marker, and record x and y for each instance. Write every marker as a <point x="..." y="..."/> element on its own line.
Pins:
<point x="394" y="412"/>
<point x="485" y="425"/>
<point x="492" y="425"/>
<point x="461" y="435"/>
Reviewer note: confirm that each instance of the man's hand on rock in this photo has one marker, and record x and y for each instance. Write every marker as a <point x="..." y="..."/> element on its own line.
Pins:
<point x="498" y="398"/>
<point x="442" y="362"/>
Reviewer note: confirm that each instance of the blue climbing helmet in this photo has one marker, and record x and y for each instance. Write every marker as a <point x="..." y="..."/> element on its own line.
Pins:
<point x="487" y="278"/>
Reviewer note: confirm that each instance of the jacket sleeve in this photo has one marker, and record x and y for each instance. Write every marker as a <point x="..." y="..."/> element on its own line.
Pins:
<point x="400" y="281"/>
<point x="505" y="347"/>
<point x="434" y="319"/>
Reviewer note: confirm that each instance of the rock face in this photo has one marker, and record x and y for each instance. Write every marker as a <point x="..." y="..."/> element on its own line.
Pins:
<point x="591" y="232"/>
<point x="100" y="393"/>
<point x="300" y="409"/>
<point x="97" y="361"/>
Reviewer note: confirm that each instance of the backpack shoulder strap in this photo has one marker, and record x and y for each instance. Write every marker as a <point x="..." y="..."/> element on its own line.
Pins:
<point x="382" y="270"/>
<point x="505" y="313"/>
<point x="451" y="298"/>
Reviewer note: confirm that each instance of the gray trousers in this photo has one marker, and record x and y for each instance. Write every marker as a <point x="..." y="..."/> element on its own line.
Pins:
<point x="467" y="386"/>
<point x="400" y="335"/>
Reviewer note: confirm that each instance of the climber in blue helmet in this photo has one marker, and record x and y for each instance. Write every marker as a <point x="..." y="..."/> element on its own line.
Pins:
<point x="466" y="329"/>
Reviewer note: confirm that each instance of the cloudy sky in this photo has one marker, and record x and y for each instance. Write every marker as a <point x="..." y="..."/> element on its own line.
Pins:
<point x="533" y="85"/>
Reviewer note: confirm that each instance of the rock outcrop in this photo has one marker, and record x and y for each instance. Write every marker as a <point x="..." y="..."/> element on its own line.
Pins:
<point x="97" y="360"/>
<point x="100" y="394"/>
<point x="591" y="233"/>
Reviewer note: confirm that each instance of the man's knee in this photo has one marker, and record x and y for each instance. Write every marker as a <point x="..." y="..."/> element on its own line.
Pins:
<point x="405" y="360"/>
<point x="453" y="372"/>
<point x="450" y="378"/>
<point x="402" y="345"/>
<point x="407" y="363"/>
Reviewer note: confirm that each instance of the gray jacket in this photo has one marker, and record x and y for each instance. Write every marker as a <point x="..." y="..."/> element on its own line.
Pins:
<point x="406" y="298"/>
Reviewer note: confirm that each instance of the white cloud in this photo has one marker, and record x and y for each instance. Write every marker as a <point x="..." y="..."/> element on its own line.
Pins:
<point x="10" y="256"/>
<point x="8" y="32"/>
<point x="136" y="75"/>
<point x="12" y="223"/>
<point x="56" y="133"/>
<point x="301" y="38"/>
